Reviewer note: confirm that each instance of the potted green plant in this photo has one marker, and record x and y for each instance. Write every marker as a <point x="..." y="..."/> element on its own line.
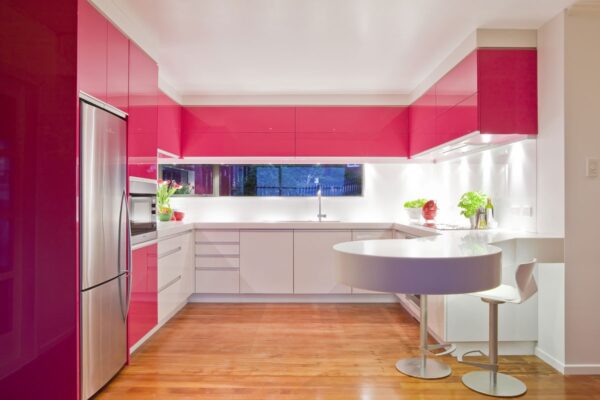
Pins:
<point x="414" y="208"/>
<point x="471" y="203"/>
<point x="164" y="191"/>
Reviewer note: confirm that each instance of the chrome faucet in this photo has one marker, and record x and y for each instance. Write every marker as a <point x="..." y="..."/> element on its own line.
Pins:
<point x="320" y="215"/>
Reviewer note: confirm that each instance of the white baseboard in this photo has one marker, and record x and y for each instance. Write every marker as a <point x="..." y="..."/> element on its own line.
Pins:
<point x="292" y="298"/>
<point x="550" y="360"/>
<point x="582" y="369"/>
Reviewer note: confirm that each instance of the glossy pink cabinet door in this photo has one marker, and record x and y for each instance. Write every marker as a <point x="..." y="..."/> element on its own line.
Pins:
<point x="238" y="131"/>
<point x="91" y="50"/>
<point x="143" y="114"/>
<point x="422" y="124"/>
<point x="169" y="124"/>
<point x="352" y="131"/>
<point x="460" y="120"/>
<point x="38" y="157"/>
<point x="143" y="311"/>
<point x="507" y="82"/>
<point x="457" y="85"/>
<point x="117" y="69"/>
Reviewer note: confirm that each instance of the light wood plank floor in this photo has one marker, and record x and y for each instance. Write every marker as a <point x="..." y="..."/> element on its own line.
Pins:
<point x="305" y="351"/>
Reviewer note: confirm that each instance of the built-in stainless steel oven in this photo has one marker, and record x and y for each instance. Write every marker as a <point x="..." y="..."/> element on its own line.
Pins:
<point x="142" y="203"/>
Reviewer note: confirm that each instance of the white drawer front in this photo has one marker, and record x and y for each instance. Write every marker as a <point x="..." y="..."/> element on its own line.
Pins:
<point x="215" y="281"/>
<point x="218" y="236"/>
<point x="372" y="235"/>
<point x="170" y="298"/>
<point x="210" y="249"/>
<point x="172" y="255"/>
<point x="217" y="262"/>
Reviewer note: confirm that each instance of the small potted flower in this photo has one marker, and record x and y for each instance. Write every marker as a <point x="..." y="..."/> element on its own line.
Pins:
<point x="414" y="208"/>
<point x="165" y="190"/>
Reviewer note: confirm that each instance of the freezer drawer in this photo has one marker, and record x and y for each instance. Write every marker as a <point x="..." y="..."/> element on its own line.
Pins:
<point x="103" y="334"/>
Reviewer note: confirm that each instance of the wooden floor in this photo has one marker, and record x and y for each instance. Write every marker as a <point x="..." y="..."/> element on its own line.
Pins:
<point x="305" y="351"/>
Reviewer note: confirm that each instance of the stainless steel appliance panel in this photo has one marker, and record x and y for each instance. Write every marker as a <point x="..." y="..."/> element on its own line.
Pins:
<point x="103" y="334"/>
<point x="103" y="183"/>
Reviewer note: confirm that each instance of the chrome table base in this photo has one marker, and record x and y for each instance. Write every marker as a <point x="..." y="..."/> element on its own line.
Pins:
<point x="500" y="385"/>
<point x="424" y="367"/>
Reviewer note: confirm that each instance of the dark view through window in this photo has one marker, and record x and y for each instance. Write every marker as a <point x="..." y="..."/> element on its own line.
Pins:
<point x="265" y="180"/>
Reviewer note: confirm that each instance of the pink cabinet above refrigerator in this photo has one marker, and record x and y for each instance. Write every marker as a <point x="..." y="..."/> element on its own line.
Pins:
<point x="92" y="30"/>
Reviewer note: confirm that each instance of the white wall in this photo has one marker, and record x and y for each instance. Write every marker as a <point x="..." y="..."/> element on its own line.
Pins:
<point x="582" y="139"/>
<point x="506" y="173"/>
<point x="551" y="187"/>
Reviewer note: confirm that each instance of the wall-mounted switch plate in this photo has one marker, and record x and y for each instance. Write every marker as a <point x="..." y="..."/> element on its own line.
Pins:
<point x="592" y="166"/>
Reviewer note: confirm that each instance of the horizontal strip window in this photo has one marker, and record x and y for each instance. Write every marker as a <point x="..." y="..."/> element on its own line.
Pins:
<point x="265" y="180"/>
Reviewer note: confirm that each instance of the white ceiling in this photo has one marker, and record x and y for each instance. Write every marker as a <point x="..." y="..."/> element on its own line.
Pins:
<point x="300" y="47"/>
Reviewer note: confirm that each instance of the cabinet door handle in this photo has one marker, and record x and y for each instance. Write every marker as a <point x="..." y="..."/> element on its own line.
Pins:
<point x="168" y="253"/>
<point x="171" y="283"/>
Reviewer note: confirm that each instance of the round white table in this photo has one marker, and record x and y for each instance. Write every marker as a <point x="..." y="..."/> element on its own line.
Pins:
<point x="421" y="266"/>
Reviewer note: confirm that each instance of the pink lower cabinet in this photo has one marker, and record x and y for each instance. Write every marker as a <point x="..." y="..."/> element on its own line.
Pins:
<point x="143" y="311"/>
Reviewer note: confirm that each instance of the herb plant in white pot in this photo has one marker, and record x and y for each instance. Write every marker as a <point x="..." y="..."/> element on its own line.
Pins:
<point x="414" y="208"/>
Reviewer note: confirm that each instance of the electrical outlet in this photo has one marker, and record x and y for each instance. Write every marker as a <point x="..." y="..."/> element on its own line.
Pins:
<point x="527" y="211"/>
<point x="591" y="167"/>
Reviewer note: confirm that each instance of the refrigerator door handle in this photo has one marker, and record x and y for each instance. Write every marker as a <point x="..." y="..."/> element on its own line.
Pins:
<point x="119" y="270"/>
<point x="129" y="266"/>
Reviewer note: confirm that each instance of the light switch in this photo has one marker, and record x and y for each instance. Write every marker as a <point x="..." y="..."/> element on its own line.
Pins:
<point x="591" y="167"/>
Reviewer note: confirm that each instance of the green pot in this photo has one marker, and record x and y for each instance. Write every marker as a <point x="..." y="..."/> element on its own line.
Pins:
<point x="165" y="217"/>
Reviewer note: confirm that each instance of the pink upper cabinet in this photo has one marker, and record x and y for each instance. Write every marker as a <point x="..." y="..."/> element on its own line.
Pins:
<point x="352" y="131"/>
<point x="169" y="124"/>
<point x="507" y="83"/>
<point x="422" y="122"/>
<point x="143" y="311"/>
<point x="92" y="30"/>
<point x="143" y="114"/>
<point x="238" y="131"/>
<point x="117" y="69"/>
<point x="457" y="85"/>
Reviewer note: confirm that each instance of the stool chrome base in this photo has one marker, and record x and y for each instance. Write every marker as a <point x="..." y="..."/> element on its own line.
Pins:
<point x="504" y="385"/>
<point x="423" y="368"/>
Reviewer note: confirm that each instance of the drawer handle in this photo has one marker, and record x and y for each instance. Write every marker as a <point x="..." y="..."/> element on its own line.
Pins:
<point x="168" y="253"/>
<point x="171" y="283"/>
<point x="217" y="269"/>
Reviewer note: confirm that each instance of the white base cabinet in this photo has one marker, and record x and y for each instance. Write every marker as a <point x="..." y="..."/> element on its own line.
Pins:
<point x="217" y="261"/>
<point x="373" y="235"/>
<point x="175" y="273"/>
<point x="314" y="260"/>
<point x="267" y="261"/>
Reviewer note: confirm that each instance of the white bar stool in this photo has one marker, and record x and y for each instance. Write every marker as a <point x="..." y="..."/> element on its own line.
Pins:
<point x="491" y="382"/>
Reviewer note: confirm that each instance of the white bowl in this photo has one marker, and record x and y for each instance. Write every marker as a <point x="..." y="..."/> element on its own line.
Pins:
<point x="414" y="213"/>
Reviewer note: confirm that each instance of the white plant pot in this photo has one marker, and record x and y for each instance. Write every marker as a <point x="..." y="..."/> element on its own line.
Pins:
<point x="414" y="214"/>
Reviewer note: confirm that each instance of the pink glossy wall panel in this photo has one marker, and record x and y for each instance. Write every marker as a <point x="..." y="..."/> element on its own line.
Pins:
<point x="91" y="51"/>
<point x="143" y="311"/>
<point x="457" y="85"/>
<point x="38" y="245"/>
<point x="352" y="131"/>
<point x="169" y="124"/>
<point x="507" y="81"/>
<point x="239" y="119"/>
<point x="117" y="69"/>
<point x="143" y="114"/>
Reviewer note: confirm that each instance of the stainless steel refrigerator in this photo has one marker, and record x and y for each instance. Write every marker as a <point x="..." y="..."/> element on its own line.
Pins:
<point x="103" y="244"/>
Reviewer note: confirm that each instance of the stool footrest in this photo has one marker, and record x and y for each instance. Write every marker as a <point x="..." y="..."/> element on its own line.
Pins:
<point x="488" y="366"/>
<point x="448" y="348"/>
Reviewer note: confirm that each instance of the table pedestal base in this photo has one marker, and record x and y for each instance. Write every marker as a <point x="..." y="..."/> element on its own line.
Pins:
<point x="423" y="368"/>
